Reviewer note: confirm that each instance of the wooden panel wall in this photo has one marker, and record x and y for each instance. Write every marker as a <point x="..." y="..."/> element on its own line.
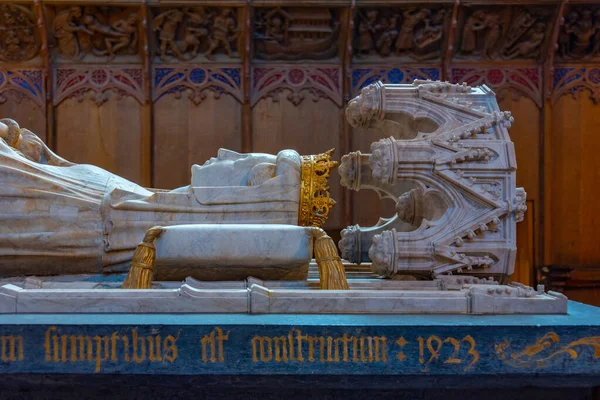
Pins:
<point x="574" y="172"/>
<point x="187" y="134"/>
<point x="191" y="76"/>
<point x="110" y="136"/>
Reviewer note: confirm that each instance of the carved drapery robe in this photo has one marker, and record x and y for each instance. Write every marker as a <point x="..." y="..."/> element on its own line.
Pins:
<point x="58" y="218"/>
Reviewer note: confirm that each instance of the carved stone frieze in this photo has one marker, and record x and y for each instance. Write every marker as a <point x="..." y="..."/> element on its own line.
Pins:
<point x="196" y="33"/>
<point x="576" y="80"/>
<point x="97" y="33"/>
<point x="296" y="33"/>
<point x="197" y="82"/>
<point x="296" y="81"/>
<point x="98" y="83"/>
<point x="407" y="33"/>
<point x="504" y="32"/>
<point x="579" y="37"/>
<point x="19" y="39"/>
<point x="525" y="81"/>
<point x="450" y="167"/>
<point x="365" y="76"/>
<point x="22" y="83"/>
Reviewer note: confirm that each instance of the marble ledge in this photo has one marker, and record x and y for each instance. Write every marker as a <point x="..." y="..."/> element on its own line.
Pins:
<point x="258" y="297"/>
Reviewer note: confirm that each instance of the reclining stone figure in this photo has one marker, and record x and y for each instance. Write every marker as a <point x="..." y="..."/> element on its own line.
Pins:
<point x="63" y="218"/>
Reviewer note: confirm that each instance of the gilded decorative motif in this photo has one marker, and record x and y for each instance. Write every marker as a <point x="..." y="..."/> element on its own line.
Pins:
<point x="575" y="80"/>
<point x="19" y="39"/>
<point x="547" y="350"/>
<point x="411" y="33"/>
<point x="96" y="33"/>
<point x="315" y="203"/>
<point x="23" y="83"/>
<point x="521" y="81"/>
<point x="185" y="33"/>
<point x="198" y="82"/>
<point x="78" y="82"/>
<point x="578" y="38"/>
<point x="319" y="82"/>
<point x="504" y="33"/>
<point x="296" y="33"/>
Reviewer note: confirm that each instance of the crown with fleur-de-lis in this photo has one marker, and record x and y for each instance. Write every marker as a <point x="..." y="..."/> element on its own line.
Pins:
<point x="315" y="202"/>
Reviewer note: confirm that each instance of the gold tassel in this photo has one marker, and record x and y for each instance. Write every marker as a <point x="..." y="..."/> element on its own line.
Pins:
<point x="331" y="269"/>
<point x="142" y="264"/>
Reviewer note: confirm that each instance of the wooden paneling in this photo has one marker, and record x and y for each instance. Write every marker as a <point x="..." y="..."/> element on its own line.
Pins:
<point x="109" y="136"/>
<point x="525" y="134"/>
<point x="187" y="134"/>
<point x="524" y="265"/>
<point x="28" y="114"/>
<point x="311" y="127"/>
<point x="574" y="169"/>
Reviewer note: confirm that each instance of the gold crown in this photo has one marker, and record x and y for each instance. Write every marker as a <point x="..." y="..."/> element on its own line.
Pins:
<point x="315" y="202"/>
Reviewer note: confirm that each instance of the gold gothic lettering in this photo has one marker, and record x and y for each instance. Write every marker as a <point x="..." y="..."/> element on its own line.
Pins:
<point x="130" y="347"/>
<point x="12" y="348"/>
<point x="297" y="346"/>
<point x="212" y="346"/>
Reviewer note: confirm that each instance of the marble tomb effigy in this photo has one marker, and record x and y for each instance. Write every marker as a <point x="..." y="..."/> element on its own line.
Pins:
<point x="243" y="233"/>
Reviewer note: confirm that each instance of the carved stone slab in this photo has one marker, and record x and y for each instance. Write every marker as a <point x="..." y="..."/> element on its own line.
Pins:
<point x="257" y="297"/>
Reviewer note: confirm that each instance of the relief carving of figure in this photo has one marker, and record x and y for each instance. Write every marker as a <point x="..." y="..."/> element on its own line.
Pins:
<point x="66" y="27"/>
<point x="492" y="34"/>
<point x="522" y="23"/>
<point x="579" y="36"/>
<point x="195" y="29"/>
<point x="17" y="38"/>
<point x="504" y="33"/>
<point x="110" y="32"/>
<point x="128" y="37"/>
<point x="413" y="33"/>
<point x="366" y="31"/>
<point x="222" y="33"/>
<point x="530" y="48"/>
<point x="433" y="30"/>
<point x="277" y="25"/>
<point x="596" y="40"/>
<point x="566" y="34"/>
<point x="386" y="40"/>
<point x="407" y="31"/>
<point x="167" y="24"/>
<point x="183" y="33"/>
<point x="583" y="31"/>
<point x="474" y="24"/>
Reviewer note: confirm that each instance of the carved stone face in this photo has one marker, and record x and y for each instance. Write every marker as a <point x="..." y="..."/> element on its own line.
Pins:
<point x="230" y="168"/>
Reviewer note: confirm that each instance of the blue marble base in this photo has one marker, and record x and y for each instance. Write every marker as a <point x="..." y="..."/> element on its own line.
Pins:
<point x="368" y="349"/>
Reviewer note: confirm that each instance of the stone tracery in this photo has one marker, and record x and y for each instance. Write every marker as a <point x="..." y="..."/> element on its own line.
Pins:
<point x="460" y="173"/>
